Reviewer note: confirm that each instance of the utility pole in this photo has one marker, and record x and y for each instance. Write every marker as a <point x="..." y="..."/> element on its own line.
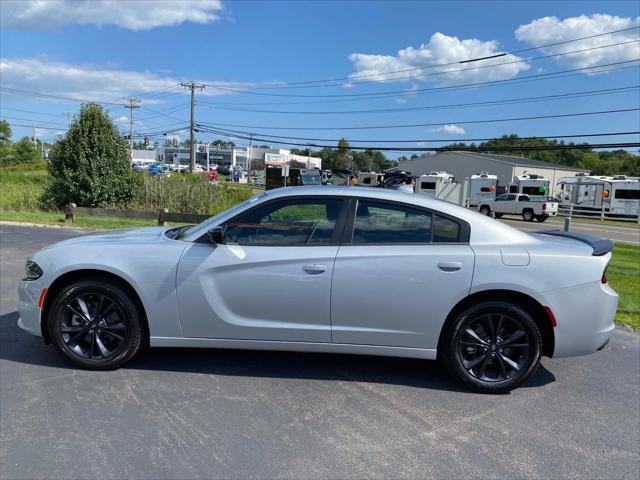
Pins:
<point x="133" y="103"/>
<point x="192" y="140"/>
<point x="69" y="118"/>
<point x="35" y="139"/>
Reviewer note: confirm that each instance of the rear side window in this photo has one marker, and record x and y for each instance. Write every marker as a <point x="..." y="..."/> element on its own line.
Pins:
<point x="445" y="230"/>
<point x="377" y="223"/>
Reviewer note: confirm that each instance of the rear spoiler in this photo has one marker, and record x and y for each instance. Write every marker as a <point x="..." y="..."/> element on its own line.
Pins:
<point x="600" y="245"/>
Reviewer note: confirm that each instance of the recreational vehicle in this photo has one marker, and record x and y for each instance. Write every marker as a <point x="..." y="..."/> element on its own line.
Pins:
<point x="619" y="195"/>
<point x="536" y="186"/>
<point x="482" y="187"/>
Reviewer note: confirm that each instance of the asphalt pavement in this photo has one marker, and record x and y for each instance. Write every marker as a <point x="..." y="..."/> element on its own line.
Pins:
<point x="177" y="413"/>
<point x="618" y="233"/>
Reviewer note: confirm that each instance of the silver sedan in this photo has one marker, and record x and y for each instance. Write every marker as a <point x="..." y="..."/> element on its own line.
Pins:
<point x="329" y="269"/>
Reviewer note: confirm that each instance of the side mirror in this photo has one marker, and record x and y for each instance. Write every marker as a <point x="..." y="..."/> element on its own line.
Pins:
<point x="216" y="235"/>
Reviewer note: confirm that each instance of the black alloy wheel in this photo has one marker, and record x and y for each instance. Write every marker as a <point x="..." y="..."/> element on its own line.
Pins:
<point x="493" y="346"/>
<point x="95" y="324"/>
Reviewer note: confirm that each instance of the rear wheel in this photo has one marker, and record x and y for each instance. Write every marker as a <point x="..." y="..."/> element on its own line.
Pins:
<point x="485" y="210"/>
<point x="493" y="347"/>
<point x="541" y="218"/>
<point x="527" y="215"/>
<point x="498" y="215"/>
<point x="95" y="324"/>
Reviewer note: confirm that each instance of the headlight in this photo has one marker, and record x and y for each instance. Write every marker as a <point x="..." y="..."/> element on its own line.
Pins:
<point x="32" y="271"/>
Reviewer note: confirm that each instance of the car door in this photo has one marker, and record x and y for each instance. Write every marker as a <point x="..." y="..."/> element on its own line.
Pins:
<point x="270" y="279"/>
<point x="398" y="273"/>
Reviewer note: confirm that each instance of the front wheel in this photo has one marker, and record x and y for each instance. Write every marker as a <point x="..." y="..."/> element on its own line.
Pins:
<point x="485" y="210"/>
<point x="493" y="347"/>
<point x="527" y="215"/>
<point x="96" y="324"/>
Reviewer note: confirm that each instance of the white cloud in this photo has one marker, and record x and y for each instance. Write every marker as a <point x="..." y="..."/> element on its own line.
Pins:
<point x="129" y="14"/>
<point x="551" y="30"/>
<point x="450" y="129"/>
<point x="410" y="92"/>
<point x="440" y="49"/>
<point x="122" y="120"/>
<point x="87" y="82"/>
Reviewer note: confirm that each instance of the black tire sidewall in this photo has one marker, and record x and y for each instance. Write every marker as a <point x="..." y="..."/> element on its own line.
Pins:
<point x="134" y="335"/>
<point x="454" y="363"/>
<point x="484" y="210"/>
<point x="528" y="212"/>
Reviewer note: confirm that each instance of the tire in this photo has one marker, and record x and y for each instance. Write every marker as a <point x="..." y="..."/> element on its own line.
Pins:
<point x="527" y="215"/>
<point x="498" y="215"/>
<point x="541" y="218"/>
<point x="485" y="210"/>
<point x="105" y="340"/>
<point x="482" y="362"/>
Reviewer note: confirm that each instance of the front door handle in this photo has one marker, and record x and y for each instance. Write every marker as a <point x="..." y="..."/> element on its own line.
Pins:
<point x="449" y="266"/>
<point x="315" y="269"/>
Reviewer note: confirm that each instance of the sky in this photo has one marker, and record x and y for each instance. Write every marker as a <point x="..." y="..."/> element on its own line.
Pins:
<point x="323" y="70"/>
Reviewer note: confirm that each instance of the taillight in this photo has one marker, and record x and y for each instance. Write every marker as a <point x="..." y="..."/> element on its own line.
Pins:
<point x="544" y="206"/>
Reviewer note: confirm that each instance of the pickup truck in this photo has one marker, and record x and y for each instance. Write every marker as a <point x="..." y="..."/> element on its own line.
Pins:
<point x="519" y="204"/>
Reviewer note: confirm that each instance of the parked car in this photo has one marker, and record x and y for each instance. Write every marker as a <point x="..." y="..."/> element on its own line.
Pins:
<point x="329" y="269"/>
<point x="210" y="175"/>
<point x="519" y="204"/>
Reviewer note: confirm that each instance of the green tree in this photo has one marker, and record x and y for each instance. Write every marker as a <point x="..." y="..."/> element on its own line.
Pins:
<point x="5" y="142"/>
<point x="90" y="165"/>
<point x="24" y="151"/>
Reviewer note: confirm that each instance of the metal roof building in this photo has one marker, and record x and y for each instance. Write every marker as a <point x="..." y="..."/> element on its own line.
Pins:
<point x="465" y="164"/>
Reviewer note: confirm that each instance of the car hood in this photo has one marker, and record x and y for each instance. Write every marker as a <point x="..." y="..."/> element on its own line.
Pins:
<point x="129" y="236"/>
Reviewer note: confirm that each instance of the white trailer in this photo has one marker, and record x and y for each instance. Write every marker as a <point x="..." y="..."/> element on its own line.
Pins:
<point x="536" y="186"/>
<point x="482" y="187"/>
<point x="443" y="186"/>
<point x="618" y="195"/>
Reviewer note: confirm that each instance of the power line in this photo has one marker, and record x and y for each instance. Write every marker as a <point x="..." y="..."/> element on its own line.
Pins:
<point x="30" y="93"/>
<point x="567" y="95"/>
<point x="420" y="90"/>
<point x="446" y="72"/>
<point x="512" y="52"/>
<point x="457" y="122"/>
<point x="584" y="146"/>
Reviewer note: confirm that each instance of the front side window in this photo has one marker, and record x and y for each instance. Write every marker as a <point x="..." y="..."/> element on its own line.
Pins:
<point x="288" y="222"/>
<point x="377" y="223"/>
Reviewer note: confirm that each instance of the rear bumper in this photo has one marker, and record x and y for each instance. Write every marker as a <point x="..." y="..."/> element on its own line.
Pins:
<point x="585" y="316"/>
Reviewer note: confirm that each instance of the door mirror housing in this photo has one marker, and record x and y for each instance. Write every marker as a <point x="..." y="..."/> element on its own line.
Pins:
<point x="216" y="235"/>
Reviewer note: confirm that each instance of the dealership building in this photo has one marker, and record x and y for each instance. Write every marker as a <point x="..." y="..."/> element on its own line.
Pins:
<point x="464" y="164"/>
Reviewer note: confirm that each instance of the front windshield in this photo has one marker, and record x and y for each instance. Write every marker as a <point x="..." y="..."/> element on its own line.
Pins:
<point x="212" y="220"/>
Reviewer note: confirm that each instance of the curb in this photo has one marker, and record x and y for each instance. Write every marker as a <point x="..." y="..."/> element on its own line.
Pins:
<point x="627" y="328"/>
<point x="44" y="225"/>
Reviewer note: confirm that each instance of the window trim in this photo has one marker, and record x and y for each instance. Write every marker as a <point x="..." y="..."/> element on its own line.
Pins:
<point x="464" y="234"/>
<point x="335" y="237"/>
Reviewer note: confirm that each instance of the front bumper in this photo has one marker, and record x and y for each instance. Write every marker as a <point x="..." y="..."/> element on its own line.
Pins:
<point x="585" y="315"/>
<point x="30" y="315"/>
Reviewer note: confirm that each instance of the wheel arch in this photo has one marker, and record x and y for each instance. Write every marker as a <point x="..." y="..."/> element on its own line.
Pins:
<point x="89" y="273"/>
<point x="531" y="305"/>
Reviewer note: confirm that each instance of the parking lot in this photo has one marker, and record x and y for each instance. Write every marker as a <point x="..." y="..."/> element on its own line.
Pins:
<point x="206" y="413"/>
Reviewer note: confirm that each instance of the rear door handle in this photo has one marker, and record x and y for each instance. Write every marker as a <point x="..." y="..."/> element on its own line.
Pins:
<point x="315" y="269"/>
<point x="449" y="266"/>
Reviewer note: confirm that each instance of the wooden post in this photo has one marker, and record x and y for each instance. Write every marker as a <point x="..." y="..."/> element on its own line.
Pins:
<point x="161" y="217"/>
<point x="70" y="213"/>
<point x="602" y="212"/>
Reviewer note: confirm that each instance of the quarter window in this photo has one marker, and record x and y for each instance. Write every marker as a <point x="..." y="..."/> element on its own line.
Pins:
<point x="385" y="223"/>
<point x="445" y="230"/>
<point x="295" y="222"/>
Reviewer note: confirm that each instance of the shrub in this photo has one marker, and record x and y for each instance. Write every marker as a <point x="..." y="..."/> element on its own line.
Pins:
<point x="90" y="166"/>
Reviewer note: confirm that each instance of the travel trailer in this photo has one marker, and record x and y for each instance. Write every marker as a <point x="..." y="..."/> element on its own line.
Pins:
<point x="620" y="195"/>
<point x="482" y="187"/>
<point x="442" y="186"/>
<point x="536" y="186"/>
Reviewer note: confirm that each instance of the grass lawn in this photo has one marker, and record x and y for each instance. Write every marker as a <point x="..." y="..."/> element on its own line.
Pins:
<point x="53" y="218"/>
<point x="624" y="277"/>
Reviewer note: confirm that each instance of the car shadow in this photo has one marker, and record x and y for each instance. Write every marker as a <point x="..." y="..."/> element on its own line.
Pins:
<point x="20" y="347"/>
